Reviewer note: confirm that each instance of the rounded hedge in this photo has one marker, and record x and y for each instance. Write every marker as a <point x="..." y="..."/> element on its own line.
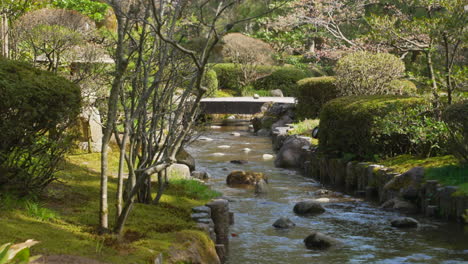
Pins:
<point x="401" y="87"/>
<point x="385" y="125"/>
<point x="366" y="73"/>
<point x="284" y="78"/>
<point x="229" y="74"/>
<point x="456" y="117"/>
<point x="313" y="93"/>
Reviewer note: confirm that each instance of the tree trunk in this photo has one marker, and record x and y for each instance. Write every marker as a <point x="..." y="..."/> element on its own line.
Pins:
<point x="5" y="35"/>
<point x="432" y="76"/>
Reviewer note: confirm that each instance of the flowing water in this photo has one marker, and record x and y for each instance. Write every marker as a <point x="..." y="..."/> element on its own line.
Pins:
<point x="364" y="229"/>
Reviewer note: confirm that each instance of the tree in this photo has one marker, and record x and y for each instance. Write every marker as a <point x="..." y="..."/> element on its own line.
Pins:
<point x="437" y="29"/>
<point x="158" y="82"/>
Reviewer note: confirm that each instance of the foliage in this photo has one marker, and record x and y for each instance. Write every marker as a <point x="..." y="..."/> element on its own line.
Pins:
<point x="224" y="93"/>
<point x="210" y="81"/>
<point x="283" y="78"/>
<point x="50" y="35"/>
<point x="452" y="175"/>
<point x="456" y="117"/>
<point x="229" y="74"/>
<point x="242" y="49"/>
<point x="93" y="9"/>
<point x="313" y="93"/>
<point x="37" y="110"/>
<point x="365" y="73"/>
<point x="380" y="126"/>
<point x="17" y="253"/>
<point x="402" y="87"/>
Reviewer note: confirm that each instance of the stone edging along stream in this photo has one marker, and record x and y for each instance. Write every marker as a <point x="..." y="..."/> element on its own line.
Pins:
<point x="407" y="192"/>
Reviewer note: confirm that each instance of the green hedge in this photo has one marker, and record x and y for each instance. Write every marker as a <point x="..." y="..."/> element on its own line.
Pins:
<point x="456" y="117"/>
<point x="312" y="94"/>
<point x="370" y="127"/>
<point x="283" y="78"/>
<point x="37" y="110"/>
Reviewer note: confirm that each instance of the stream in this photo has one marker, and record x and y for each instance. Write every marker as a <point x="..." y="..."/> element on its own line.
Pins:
<point x="364" y="229"/>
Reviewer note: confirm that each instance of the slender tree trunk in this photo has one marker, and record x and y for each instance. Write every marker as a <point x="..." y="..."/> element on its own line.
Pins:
<point x="5" y="35"/>
<point x="119" y="194"/>
<point x="434" y="89"/>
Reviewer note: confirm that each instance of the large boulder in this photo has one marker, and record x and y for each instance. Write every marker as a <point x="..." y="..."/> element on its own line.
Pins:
<point x="291" y="154"/>
<point x="283" y="223"/>
<point x="404" y="222"/>
<point x="178" y="171"/>
<point x="319" y="241"/>
<point x="183" y="157"/>
<point x="408" y="183"/>
<point x="308" y="208"/>
<point x="276" y="93"/>
<point x="245" y="178"/>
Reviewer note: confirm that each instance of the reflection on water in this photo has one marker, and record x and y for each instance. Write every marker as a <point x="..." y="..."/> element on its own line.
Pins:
<point x="364" y="229"/>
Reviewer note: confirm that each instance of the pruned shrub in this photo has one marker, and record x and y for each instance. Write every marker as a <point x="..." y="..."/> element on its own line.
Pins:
<point x="233" y="76"/>
<point x="370" y="127"/>
<point x="283" y="78"/>
<point x="37" y="109"/>
<point x="312" y="94"/>
<point x="210" y="81"/>
<point x="402" y="87"/>
<point x="239" y="48"/>
<point x="365" y="73"/>
<point x="456" y="117"/>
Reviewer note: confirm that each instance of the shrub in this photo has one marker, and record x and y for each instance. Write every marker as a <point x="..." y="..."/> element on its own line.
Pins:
<point x="365" y="73"/>
<point x="371" y="127"/>
<point x="312" y="94"/>
<point x="283" y="78"/>
<point x="239" y="48"/>
<point x="402" y="87"/>
<point x="37" y="108"/>
<point x="210" y="81"/>
<point x="230" y="75"/>
<point x="456" y="117"/>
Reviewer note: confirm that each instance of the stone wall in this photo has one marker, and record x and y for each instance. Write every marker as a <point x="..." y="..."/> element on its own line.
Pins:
<point x="407" y="192"/>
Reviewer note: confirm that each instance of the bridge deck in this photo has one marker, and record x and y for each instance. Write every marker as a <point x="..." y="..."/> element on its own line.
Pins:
<point x="240" y="105"/>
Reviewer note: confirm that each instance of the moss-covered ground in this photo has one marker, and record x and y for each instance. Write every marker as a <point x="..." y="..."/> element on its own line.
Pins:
<point x="304" y="128"/>
<point x="65" y="218"/>
<point x="445" y="169"/>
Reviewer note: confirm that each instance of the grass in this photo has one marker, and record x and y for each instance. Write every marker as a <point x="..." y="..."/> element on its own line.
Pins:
<point x="304" y="128"/>
<point x="65" y="218"/>
<point x="444" y="169"/>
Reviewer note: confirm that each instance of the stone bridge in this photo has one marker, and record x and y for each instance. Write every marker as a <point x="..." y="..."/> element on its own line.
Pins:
<point x="240" y="105"/>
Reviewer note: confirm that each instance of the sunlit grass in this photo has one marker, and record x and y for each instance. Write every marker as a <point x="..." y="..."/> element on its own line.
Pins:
<point x="65" y="219"/>
<point x="304" y="128"/>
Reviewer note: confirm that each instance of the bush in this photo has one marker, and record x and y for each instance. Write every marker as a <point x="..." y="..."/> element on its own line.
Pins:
<point x="456" y="117"/>
<point x="402" y="87"/>
<point x="283" y="78"/>
<point x="210" y="81"/>
<point x="37" y="108"/>
<point x="365" y="73"/>
<point x="230" y="75"/>
<point x="371" y="127"/>
<point x="312" y="94"/>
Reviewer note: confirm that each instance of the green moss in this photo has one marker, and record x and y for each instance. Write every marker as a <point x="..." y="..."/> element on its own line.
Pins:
<point x="403" y="163"/>
<point x="74" y="201"/>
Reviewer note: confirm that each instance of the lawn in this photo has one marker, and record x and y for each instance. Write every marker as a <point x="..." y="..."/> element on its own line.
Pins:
<point x="65" y="218"/>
